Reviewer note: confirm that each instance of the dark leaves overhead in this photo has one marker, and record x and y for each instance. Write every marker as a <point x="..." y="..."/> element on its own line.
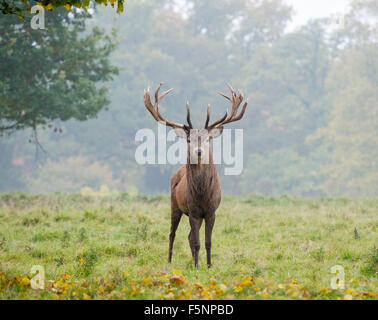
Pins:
<point x="57" y="73"/>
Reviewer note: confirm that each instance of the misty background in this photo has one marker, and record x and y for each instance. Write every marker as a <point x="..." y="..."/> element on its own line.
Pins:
<point x="311" y="126"/>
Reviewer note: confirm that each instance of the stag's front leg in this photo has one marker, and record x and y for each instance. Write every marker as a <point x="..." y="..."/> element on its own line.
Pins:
<point x="195" y="225"/>
<point x="175" y="220"/>
<point x="192" y="240"/>
<point x="209" y="224"/>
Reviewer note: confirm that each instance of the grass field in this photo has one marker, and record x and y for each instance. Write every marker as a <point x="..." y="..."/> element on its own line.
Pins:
<point x="116" y="248"/>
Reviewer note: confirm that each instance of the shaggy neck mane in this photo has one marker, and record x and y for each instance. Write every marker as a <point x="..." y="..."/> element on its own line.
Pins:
<point x="200" y="176"/>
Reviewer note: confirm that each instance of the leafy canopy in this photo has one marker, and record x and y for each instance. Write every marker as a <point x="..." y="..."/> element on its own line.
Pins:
<point x="53" y="74"/>
<point x="21" y="7"/>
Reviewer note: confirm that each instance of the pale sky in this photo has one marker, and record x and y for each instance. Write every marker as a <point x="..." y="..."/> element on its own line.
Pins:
<point x="305" y="10"/>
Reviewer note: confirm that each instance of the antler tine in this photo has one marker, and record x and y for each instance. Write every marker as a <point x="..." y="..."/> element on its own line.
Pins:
<point x="220" y="121"/>
<point x="188" y="116"/>
<point x="208" y="116"/>
<point x="241" y="114"/>
<point x="157" y="92"/>
<point x="236" y="101"/>
<point x="165" y="93"/>
<point x="167" y="122"/>
<point x="225" y="96"/>
<point x="231" y="89"/>
<point x="154" y="109"/>
<point x="148" y="104"/>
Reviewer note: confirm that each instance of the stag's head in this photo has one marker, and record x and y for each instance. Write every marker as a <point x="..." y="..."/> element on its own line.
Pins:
<point x="198" y="139"/>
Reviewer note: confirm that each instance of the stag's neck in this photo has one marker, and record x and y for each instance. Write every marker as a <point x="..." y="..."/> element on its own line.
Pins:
<point x="200" y="177"/>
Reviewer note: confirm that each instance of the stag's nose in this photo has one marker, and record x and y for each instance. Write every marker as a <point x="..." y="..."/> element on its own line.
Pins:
<point x="199" y="152"/>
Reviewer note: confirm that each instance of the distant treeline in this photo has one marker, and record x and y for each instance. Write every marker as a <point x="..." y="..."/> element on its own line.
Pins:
<point x="311" y="127"/>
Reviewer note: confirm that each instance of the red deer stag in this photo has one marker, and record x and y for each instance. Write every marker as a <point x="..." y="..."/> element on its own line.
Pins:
<point x="195" y="187"/>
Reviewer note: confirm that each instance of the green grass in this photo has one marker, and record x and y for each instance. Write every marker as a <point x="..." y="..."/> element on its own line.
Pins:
<point x="117" y="248"/>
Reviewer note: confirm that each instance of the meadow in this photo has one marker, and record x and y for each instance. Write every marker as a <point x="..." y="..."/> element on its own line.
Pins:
<point x="116" y="247"/>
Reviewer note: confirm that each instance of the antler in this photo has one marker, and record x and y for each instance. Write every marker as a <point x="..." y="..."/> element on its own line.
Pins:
<point x="154" y="109"/>
<point x="236" y="100"/>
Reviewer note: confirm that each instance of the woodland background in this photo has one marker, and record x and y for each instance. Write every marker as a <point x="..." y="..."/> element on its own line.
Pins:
<point x="71" y="95"/>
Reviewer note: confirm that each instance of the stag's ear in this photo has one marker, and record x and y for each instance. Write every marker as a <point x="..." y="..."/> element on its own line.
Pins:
<point x="215" y="133"/>
<point x="181" y="133"/>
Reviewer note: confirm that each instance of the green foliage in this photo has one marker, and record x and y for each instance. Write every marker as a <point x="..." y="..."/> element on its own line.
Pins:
<point x="87" y="262"/>
<point x="70" y="175"/>
<point x="20" y="8"/>
<point x="370" y="268"/>
<point x="351" y="134"/>
<point x="82" y="234"/>
<point x="60" y="73"/>
<point x="309" y="129"/>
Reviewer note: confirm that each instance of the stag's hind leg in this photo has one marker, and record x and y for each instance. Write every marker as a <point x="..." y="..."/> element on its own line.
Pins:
<point x="175" y="221"/>
<point x="191" y="242"/>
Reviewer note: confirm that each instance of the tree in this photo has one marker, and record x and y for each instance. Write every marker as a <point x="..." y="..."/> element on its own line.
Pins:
<point x="215" y="18"/>
<point x="360" y="26"/>
<point x="314" y="82"/>
<point x="70" y="175"/>
<point x="349" y="139"/>
<point x="20" y="8"/>
<point x="286" y="85"/>
<point x="351" y="136"/>
<point x="262" y="22"/>
<point x="58" y="73"/>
